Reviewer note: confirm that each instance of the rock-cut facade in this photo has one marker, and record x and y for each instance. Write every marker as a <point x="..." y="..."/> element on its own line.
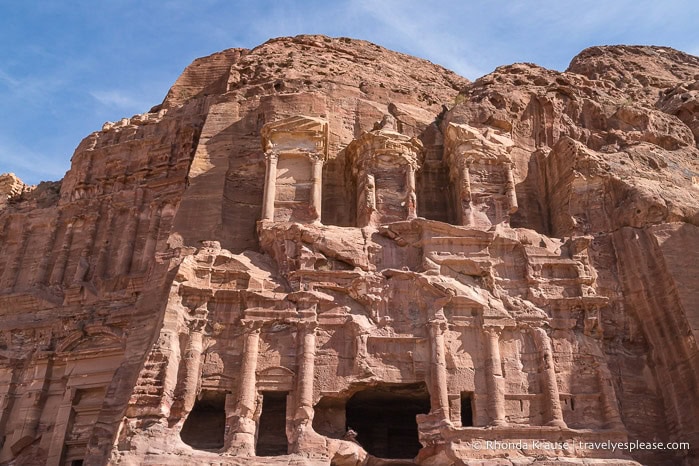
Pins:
<point x="321" y="252"/>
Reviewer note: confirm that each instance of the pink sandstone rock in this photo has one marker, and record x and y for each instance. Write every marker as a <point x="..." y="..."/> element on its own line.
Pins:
<point x="321" y="252"/>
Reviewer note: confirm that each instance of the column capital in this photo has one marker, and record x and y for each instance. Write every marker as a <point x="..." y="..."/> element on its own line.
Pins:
<point x="464" y="162"/>
<point x="439" y="325"/>
<point x="493" y="331"/>
<point x="271" y="155"/>
<point x="252" y="325"/>
<point x="307" y="325"/>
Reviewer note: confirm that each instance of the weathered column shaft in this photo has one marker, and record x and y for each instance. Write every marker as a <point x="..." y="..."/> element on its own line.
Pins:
<point x="192" y="369"/>
<point x="242" y="441"/>
<point x="270" y="187"/>
<point x="367" y="203"/>
<point x="510" y="190"/>
<point x="248" y="389"/>
<point x="438" y="373"/>
<point x="411" y="197"/>
<point x="552" y="397"/>
<point x="306" y="377"/>
<point x="495" y="382"/>
<point x="317" y="192"/>
<point x="465" y="195"/>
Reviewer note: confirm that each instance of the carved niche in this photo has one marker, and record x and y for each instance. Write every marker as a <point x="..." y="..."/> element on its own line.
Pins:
<point x="384" y="163"/>
<point x="481" y="172"/>
<point x="295" y="150"/>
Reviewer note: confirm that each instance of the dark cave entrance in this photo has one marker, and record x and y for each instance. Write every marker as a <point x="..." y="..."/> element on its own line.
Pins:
<point x="383" y="417"/>
<point x="206" y="424"/>
<point x="466" y="409"/>
<point x="271" y="433"/>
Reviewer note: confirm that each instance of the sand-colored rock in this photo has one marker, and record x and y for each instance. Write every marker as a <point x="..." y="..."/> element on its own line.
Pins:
<point x="322" y="252"/>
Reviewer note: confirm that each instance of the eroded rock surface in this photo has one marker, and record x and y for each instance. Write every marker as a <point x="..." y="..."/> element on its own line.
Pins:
<point x="322" y="252"/>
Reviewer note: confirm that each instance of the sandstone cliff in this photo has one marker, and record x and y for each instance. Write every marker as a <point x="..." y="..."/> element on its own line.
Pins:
<point x="320" y="252"/>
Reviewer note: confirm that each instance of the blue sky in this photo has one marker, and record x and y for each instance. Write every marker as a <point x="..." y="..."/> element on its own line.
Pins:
<point x="68" y="66"/>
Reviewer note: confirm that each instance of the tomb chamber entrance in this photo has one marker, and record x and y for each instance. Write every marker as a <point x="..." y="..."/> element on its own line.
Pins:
<point x="383" y="418"/>
<point x="205" y="426"/>
<point x="271" y="437"/>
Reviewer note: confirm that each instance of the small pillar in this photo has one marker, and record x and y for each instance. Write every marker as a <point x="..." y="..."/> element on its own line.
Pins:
<point x="439" y="398"/>
<point x="367" y="206"/>
<point x="306" y="363"/>
<point x="411" y="196"/>
<point x="192" y="366"/>
<point x="552" y="397"/>
<point x="317" y="192"/>
<point x="465" y="194"/>
<point x="495" y="381"/>
<point x="510" y="190"/>
<point x="270" y="186"/>
<point x="242" y="442"/>
<point x="304" y="438"/>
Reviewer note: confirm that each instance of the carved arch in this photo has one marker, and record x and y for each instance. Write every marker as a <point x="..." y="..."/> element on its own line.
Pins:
<point x="93" y="337"/>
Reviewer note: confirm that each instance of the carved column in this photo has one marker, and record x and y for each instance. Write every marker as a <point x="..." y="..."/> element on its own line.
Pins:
<point x="270" y="186"/>
<point x="438" y="369"/>
<point x="242" y="441"/>
<point x="411" y="197"/>
<point x="62" y="260"/>
<point x="552" y="397"/>
<point x="465" y="194"/>
<point x="317" y="191"/>
<point x="510" y="190"/>
<point x="367" y="206"/>
<point x="495" y="381"/>
<point x="306" y="372"/>
<point x="192" y="366"/>
<point x="304" y="437"/>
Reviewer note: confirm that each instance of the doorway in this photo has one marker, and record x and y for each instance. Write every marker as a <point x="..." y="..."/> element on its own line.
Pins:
<point x="271" y="437"/>
<point x="383" y="416"/>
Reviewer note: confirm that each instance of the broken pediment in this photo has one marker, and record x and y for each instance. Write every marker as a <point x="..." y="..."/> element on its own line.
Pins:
<point x="384" y="164"/>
